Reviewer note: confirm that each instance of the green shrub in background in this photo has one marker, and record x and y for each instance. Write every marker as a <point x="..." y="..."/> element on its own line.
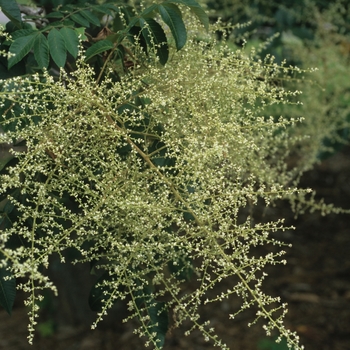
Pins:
<point x="142" y="154"/>
<point x="309" y="34"/>
<point x="306" y="34"/>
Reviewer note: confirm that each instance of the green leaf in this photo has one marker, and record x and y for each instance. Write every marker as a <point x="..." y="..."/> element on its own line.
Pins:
<point x="103" y="9"/>
<point x="149" y="11"/>
<point x="81" y="33"/>
<point x="118" y="23"/>
<point x="11" y="10"/>
<point x="159" y="322"/>
<point x="154" y="35"/>
<point x="60" y="24"/>
<point x="111" y="7"/>
<point x="17" y="34"/>
<point x="97" y="292"/>
<point x="41" y="51"/>
<point x="71" y="40"/>
<point x="5" y="222"/>
<point x="22" y="32"/>
<point x="97" y="48"/>
<point x="6" y="205"/>
<point x="115" y="38"/>
<point x="54" y="15"/>
<point x="133" y="21"/>
<point x="97" y="295"/>
<point x="181" y="268"/>
<point x="80" y="20"/>
<point x="135" y="36"/>
<point x="128" y="13"/>
<point x="160" y="159"/>
<point x="7" y="290"/>
<point x="195" y="8"/>
<point x="5" y="157"/>
<point x="271" y="344"/>
<point x="57" y="47"/>
<point x="16" y="70"/>
<point x="20" y="48"/>
<point x="107" y="9"/>
<point x="47" y="328"/>
<point x="177" y="27"/>
<point x="174" y="7"/>
<point x="90" y="17"/>
<point x="8" y="110"/>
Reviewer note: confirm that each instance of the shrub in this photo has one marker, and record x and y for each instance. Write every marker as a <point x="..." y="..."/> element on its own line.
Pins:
<point x="146" y="167"/>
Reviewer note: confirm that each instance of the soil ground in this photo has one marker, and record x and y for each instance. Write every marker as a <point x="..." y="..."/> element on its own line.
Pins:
<point x="315" y="283"/>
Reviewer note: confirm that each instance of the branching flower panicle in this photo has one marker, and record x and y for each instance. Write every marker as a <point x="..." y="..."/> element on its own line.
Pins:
<point x="151" y="177"/>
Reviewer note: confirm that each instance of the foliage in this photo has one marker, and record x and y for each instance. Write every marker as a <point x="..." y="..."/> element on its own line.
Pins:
<point x="146" y="158"/>
<point x="306" y="34"/>
<point x="57" y="32"/>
